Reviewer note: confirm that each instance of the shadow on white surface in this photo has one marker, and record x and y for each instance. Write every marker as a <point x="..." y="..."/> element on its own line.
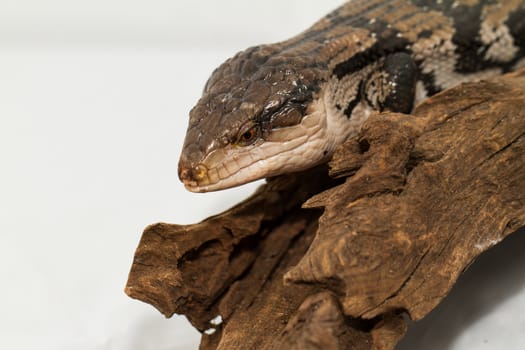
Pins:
<point x="157" y="333"/>
<point x="485" y="309"/>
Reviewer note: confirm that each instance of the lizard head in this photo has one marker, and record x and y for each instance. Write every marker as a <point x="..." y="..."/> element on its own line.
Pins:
<point x="261" y="114"/>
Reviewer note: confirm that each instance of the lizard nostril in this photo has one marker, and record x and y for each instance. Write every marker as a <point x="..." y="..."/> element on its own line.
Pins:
<point x="192" y="174"/>
<point x="199" y="172"/>
<point x="184" y="174"/>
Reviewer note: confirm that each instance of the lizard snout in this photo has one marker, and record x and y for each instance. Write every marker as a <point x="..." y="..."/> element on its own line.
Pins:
<point x="192" y="175"/>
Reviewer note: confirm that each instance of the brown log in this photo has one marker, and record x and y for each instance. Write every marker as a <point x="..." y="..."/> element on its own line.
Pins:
<point x="313" y="261"/>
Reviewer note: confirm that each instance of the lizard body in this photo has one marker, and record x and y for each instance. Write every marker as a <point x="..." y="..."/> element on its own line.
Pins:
<point x="285" y="107"/>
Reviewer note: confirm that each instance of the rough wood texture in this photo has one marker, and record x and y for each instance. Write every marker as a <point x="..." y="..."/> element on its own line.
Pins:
<point x="415" y="200"/>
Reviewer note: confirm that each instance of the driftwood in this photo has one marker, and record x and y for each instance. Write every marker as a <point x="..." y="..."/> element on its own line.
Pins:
<point x="313" y="261"/>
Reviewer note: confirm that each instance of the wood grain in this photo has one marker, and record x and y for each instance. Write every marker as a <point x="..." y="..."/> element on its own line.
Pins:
<point x="313" y="261"/>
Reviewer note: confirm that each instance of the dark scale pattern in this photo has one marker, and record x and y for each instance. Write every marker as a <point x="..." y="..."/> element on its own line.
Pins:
<point x="429" y="81"/>
<point x="467" y="24"/>
<point x="425" y="34"/>
<point x="351" y="105"/>
<point x="467" y="40"/>
<point x="446" y="6"/>
<point x="260" y="84"/>
<point x="391" y="44"/>
<point x="516" y="24"/>
<point x="251" y="86"/>
<point x="388" y="42"/>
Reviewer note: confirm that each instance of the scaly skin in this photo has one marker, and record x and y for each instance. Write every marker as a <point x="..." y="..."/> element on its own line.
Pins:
<point x="285" y="107"/>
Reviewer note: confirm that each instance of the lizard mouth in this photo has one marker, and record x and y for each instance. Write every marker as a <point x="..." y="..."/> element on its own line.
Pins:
<point x="233" y="166"/>
<point x="283" y="150"/>
<point x="217" y="178"/>
<point x="230" y="167"/>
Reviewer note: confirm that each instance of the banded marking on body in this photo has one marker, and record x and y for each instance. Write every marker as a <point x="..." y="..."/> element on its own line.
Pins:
<point x="286" y="106"/>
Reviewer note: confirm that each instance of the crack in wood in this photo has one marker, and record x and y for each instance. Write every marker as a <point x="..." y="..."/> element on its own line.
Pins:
<point x="418" y="198"/>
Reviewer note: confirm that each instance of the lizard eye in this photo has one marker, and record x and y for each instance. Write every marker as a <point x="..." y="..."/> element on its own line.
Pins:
<point x="248" y="137"/>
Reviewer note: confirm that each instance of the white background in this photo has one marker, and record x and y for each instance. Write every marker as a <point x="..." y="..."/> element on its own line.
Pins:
<point x="94" y="97"/>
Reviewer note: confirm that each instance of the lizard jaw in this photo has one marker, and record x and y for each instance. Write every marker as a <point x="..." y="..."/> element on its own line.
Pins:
<point x="283" y="150"/>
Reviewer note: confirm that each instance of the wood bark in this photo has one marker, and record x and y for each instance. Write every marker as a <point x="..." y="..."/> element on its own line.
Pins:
<point x="333" y="258"/>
